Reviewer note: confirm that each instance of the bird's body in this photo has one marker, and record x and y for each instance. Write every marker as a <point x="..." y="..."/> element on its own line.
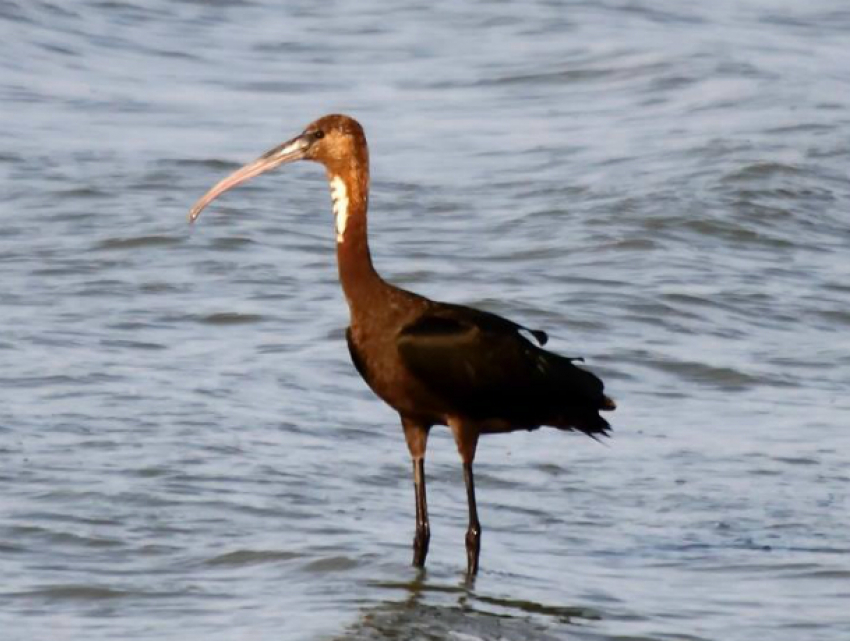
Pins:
<point x="434" y="363"/>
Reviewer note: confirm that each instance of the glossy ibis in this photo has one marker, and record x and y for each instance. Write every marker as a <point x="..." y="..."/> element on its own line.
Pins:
<point x="434" y="363"/>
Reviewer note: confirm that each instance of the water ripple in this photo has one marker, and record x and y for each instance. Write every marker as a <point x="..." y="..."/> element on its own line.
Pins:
<point x="186" y="446"/>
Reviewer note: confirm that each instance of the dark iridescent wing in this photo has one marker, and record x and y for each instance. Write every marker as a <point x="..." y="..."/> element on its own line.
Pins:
<point x="480" y="364"/>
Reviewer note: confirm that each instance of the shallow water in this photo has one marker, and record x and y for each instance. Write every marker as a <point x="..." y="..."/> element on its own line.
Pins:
<point x="187" y="452"/>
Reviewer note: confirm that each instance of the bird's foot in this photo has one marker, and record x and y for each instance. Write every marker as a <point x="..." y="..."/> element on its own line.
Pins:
<point x="420" y="546"/>
<point x="473" y="549"/>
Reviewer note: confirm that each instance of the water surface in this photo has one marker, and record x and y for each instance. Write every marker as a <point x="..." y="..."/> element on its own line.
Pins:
<point x="187" y="452"/>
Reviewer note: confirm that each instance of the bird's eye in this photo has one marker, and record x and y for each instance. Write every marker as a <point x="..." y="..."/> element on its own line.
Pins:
<point x="319" y="135"/>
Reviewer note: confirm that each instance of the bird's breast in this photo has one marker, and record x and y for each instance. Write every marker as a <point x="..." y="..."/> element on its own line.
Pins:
<point x="379" y="363"/>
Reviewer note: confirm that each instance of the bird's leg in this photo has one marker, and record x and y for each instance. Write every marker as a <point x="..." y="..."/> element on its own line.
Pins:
<point x="416" y="435"/>
<point x="473" y="532"/>
<point x="423" y="528"/>
<point x="466" y="437"/>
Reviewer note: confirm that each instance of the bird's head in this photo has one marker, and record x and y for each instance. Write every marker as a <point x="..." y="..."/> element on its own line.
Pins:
<point x="337" y="141"/>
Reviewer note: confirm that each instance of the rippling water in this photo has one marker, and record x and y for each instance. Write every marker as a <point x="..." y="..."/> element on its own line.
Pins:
<point x="186" y="450"/>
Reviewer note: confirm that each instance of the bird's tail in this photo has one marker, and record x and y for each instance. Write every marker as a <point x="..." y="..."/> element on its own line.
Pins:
<point x="588" y="422"/>
<point x="608" y="404"/>
<point x="580" y="409"/>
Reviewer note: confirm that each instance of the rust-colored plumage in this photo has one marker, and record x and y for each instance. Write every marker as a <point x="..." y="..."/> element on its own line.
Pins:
<point x="434" y="363"/>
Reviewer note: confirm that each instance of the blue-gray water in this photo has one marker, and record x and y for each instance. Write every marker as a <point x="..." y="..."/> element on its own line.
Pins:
<point x="187" y="452"/>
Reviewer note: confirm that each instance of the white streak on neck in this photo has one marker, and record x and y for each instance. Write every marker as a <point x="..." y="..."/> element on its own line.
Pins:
<point x="339" y="196"/>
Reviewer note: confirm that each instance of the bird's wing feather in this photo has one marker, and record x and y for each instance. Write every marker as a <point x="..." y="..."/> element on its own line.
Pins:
<point x="488" y="320"/>
<point x="481" y="364"/>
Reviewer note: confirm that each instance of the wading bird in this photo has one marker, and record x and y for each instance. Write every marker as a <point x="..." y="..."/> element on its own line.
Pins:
<point x="434" y="363"/>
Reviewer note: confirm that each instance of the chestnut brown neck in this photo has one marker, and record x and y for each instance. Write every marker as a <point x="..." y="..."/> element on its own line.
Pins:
<point x="349" y="182"/>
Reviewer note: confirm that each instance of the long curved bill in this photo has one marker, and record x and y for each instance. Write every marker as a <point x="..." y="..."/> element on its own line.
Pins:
<point x="290" y="151"/>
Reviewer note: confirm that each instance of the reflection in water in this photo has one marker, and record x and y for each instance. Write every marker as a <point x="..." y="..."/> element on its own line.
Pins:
<point x="186" y="446"/>
<point x="432" y="611"/>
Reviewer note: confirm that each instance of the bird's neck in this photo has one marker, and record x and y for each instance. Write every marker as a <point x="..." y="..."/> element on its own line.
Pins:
<point x="350" y="195"/>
